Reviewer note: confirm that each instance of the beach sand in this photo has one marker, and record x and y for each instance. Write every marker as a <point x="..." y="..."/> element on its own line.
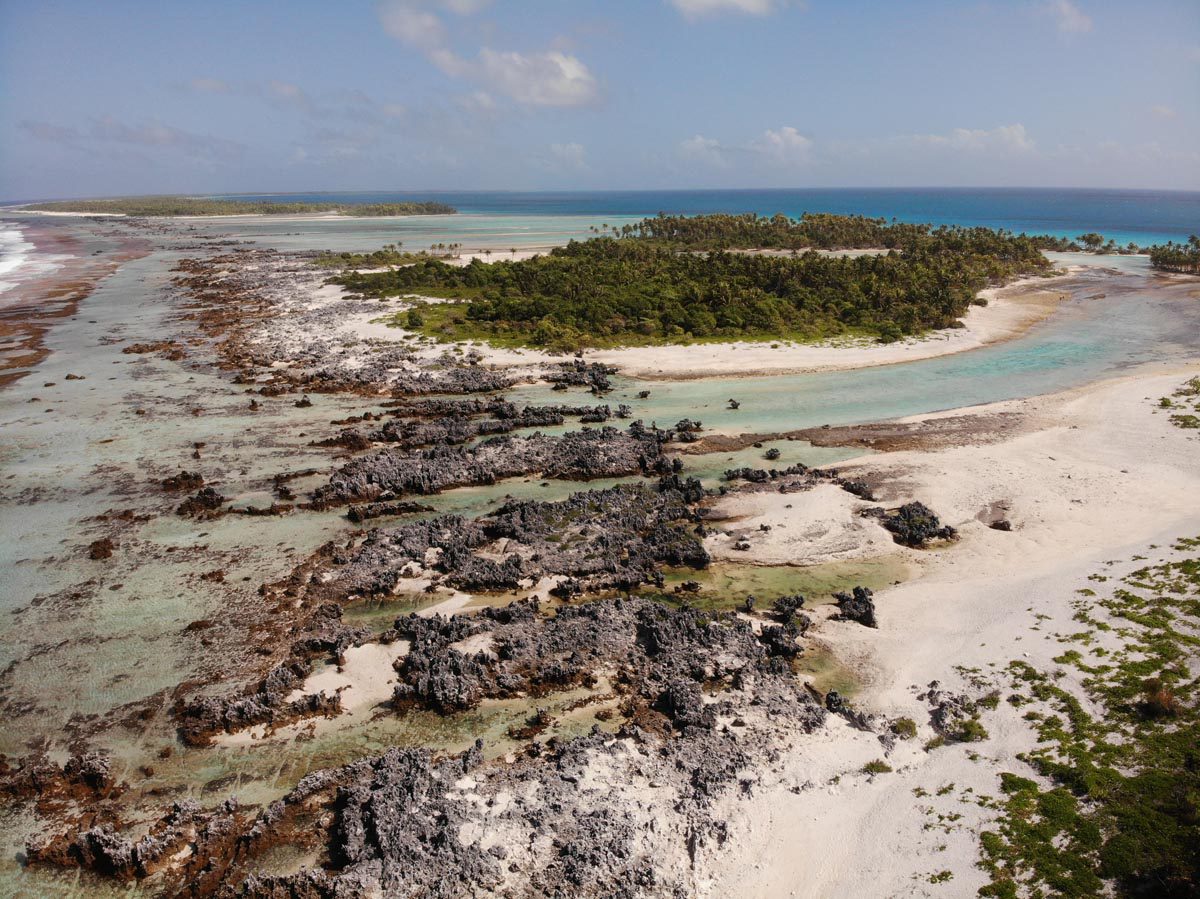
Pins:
<point x="1095" y="474"/>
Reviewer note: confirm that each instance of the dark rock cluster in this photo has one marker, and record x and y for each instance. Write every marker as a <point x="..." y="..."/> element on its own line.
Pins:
<point x="185" y="480"/>
<point x="206" y="503"/>
<point x="603" y="539"/>
<point x="857" y="606"/>
<point x="797" y="477"/>
<point x="267" y="702"/>
<point x="578" y="373"/>
<point x="83" y="775"/>
<point x="581" y="455"/>
<point x="914" y="524"/>
<point x="103" y="850"/>
<point x="406" y="824"/>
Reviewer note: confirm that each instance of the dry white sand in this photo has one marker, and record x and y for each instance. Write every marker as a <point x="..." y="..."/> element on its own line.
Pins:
<point x="364" y="678"/>
<point x="1098" y="475"/>
<point x="807" y="528"/>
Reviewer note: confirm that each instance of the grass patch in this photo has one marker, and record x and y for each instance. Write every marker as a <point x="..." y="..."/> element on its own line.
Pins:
<point x="1122" y="804"/>
<point x="1186" y="400"/>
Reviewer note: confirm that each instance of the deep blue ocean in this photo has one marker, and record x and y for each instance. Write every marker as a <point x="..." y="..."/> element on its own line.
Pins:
<point x="1141" y="216"/>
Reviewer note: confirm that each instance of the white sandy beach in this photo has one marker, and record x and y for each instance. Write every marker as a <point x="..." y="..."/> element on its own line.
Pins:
<point x="1095" y="475"/>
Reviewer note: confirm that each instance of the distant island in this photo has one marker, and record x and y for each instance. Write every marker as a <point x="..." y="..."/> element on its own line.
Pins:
<point x="679" y="279"/>
<point x="200" y="206"/>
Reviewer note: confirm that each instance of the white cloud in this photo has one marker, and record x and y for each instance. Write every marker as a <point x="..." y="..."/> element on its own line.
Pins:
<point x="698" y="9"/>
<point x="784" y="147"/>
<point x="570" y="157"/>
<point x="1163" y="112"/>
<point x="787" y="146"/>
<point x="703" y="149"/>
<point x="411" y="24"/>
<point x="1005" y="138"/>
<point x="1071" y="19"/>
<point x="541" y="78"/>
<point x="464" y="7"/>
<point x="477" y="102"/>
<point x="289" y="93"/>
<point x="152" y="135"/>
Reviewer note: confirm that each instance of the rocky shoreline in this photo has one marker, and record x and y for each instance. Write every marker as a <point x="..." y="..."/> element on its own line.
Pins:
<point x="641" y="705"/>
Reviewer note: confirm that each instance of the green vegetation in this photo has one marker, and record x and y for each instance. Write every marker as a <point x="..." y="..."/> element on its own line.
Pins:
<point x="1185" y="398"/>
<point x="1177" y="257"/>
<point x="173" y="206"/>
<point x="664" y="282"/>
<point x="1123" y="805"/>
<point x="390" y="254"/>
<point x="904" y="728"/>
<point x="878" y="766"/>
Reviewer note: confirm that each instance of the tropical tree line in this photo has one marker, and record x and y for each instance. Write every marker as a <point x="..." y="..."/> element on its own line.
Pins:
<point x="390" y="254"/>
<point x="660" y="282"/>
<point x="1177" y="257"/>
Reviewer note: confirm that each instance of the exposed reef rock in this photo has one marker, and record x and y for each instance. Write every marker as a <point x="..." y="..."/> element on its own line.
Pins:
<point x="454" y="421"/>
<point x="857" y="606"/>
<point x="609" y="539"/>
<point x="581" y="455"/>
<point x="206" y="503"/>
<point x="185" y="480"/>
<point x="267" y="703"/>
<point x="563" y="818"/>
<point x="578" y="373"/>
<point x="914" y="524"/>
<point x="83" y="776"/>
<point x="101" y="549"/>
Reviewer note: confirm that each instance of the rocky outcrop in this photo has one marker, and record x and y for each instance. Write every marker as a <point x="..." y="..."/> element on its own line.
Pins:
<point x="407" y="824"/>
<point x="206" y="503"/>
<point x="914" y="524"/>
<point x="267" y="703"/>
<point x="609" y="539"/>
<point x="101" y="549"/>
<point x="582" y="455"/>
<point x="185" y="480"/>
<point x="857" y="606"/>
<point x="578" y="373"/>
<point x="83" y="776"/>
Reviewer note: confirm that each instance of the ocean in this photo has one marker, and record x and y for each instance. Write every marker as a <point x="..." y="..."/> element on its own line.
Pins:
<point x="1143" y="217"/>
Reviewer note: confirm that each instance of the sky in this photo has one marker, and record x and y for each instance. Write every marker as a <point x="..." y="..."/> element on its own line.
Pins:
<point x="125" y="97"/>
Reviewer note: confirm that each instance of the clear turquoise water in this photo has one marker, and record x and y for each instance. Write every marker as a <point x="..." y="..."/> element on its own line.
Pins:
<point x="1143" y="217"/>
<point x="1139" y="320"/>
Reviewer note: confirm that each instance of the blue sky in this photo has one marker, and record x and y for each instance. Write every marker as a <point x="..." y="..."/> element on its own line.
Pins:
<point x="140" y="97"/>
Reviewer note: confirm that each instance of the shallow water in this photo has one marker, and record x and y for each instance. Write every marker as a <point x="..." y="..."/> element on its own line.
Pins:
<point x="1140" y="319"/>
<point x="87" y="637"/>
<point x="498" y="233"/>
<point x="1141" y="216"/>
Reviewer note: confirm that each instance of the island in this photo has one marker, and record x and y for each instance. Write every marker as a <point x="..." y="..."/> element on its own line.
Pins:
<point x="176" y="206"/>
<point x="724" y="277"/>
